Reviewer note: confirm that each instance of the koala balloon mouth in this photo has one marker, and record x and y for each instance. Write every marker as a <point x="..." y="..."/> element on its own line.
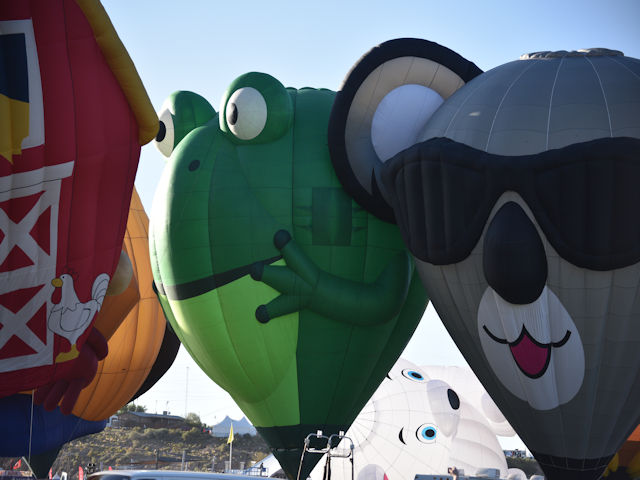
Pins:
<point x="531" y="356"/>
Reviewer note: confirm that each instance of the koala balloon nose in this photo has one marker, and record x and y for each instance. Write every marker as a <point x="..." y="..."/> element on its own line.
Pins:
<point x="514" y="260"/>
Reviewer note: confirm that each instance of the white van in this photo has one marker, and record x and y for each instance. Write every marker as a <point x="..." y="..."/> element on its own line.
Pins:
<point x="165" y="475"/>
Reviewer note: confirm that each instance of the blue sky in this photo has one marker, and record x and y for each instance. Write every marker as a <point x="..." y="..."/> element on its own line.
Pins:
<point x="204" y="45"/>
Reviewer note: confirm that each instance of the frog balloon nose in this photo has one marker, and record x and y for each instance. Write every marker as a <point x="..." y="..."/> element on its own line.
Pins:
<point x="514" y="260"/>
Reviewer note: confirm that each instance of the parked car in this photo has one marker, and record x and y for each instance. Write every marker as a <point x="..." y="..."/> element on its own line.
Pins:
<point x="165" y="475"/>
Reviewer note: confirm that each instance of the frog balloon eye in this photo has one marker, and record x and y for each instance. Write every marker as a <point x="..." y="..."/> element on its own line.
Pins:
<point x="427" y="433"/>
<point x="164" y="140"/>
<point x="246" y="113"/>
<point x="256" y="108"/>
<point x="414" y="375"/>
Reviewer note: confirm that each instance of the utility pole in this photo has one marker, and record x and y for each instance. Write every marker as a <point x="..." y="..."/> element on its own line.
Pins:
<point x="186" y="393"/>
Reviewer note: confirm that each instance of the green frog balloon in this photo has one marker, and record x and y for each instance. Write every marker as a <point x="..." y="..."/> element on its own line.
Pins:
<point x="283" y="289"/>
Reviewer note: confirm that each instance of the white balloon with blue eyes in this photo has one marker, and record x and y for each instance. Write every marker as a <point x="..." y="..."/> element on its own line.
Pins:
<point x="467" y="386"/>
<point x="416" y="423"/>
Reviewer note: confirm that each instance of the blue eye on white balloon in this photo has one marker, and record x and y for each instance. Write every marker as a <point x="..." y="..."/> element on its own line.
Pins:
<point x="413" y="375"/>
<point x="427" y="433"/>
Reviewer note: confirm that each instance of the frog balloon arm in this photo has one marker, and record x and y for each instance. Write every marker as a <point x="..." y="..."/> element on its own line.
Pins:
<point x="303" y="285"/>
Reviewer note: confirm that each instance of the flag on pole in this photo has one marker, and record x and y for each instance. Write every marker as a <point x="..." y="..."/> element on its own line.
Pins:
<point x="230" y="440"/>
<point x="18" y="464"/>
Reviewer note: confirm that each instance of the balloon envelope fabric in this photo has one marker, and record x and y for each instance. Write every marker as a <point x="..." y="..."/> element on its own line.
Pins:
<point x="284" y="290"/>
<point x="77" y="114"/>
<point x="518" y="197"/>
<point x="418" y="423"/>
<point x="25" y="431"/>
<point x="134" y="346"/>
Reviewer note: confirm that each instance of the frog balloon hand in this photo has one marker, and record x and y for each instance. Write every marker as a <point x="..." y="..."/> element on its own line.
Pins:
<point x="303" y="285"/>
<point x="296" y="280"/>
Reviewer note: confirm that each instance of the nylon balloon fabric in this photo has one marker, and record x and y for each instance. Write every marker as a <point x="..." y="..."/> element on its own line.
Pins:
<point x="517" y="199"/>
<point x="284" y="290"/>
<point x="66" y="174"/>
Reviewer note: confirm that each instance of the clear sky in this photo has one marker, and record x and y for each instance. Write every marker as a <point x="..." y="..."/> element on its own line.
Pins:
<point x="204" y="45"/>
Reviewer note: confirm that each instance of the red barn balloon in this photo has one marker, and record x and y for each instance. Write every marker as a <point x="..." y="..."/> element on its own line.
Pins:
<point x="73" y="115"/>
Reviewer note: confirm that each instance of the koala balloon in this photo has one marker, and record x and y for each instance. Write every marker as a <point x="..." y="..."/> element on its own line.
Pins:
<point x="516" y="191"/>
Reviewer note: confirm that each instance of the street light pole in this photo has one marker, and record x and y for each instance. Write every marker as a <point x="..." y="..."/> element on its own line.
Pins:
<point x="186" y="395"/>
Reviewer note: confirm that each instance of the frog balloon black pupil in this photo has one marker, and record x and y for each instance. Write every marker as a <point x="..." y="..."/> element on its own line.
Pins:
<point x="232" y="114"/>
<point x="162" y="131"/>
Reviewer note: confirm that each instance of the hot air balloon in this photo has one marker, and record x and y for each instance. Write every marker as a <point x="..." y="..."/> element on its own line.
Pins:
<point x="468" y="386"/>
<point x="417" y="423"/>
<point x="134" y="349"/>
<point x="516" y="196"/>
<point x="74" y="115"/>
<point x="29" y="429"/>
<point x="625" y="464"/>
<point x="517" y="474"/>
<point x="134" y="346"/>
<point x="284" y="291"/>
<point x="166" y="356"/>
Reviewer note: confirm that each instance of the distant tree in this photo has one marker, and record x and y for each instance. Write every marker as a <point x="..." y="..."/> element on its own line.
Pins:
<point x="132" y="407"/>
<point x="193" y="419"/>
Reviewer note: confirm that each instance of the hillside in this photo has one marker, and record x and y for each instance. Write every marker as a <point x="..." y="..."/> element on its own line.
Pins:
<point x="136" y="447"/>
<point x="118" y="447"/>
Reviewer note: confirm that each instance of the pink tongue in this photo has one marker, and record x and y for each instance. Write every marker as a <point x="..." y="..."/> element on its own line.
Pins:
<point x="531" y="358"/>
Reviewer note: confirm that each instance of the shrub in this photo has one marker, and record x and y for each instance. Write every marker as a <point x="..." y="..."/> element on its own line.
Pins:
<point x="157" y="434"/>
<point x="193" y="435"/>
<point x="134" y="436"/>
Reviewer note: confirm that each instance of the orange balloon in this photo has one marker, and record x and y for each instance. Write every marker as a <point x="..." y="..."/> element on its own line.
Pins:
<point x="134" y="346"/>
<point x="630" y="448"/>
<point x="115" y="308"/>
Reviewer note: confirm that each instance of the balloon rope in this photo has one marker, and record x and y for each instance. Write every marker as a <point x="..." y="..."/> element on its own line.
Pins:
<point x="301" y="462"/>
<point x="31" y="426"/>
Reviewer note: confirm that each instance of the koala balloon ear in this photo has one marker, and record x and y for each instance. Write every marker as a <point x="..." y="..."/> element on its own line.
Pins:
<point x="383" y="104"/>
